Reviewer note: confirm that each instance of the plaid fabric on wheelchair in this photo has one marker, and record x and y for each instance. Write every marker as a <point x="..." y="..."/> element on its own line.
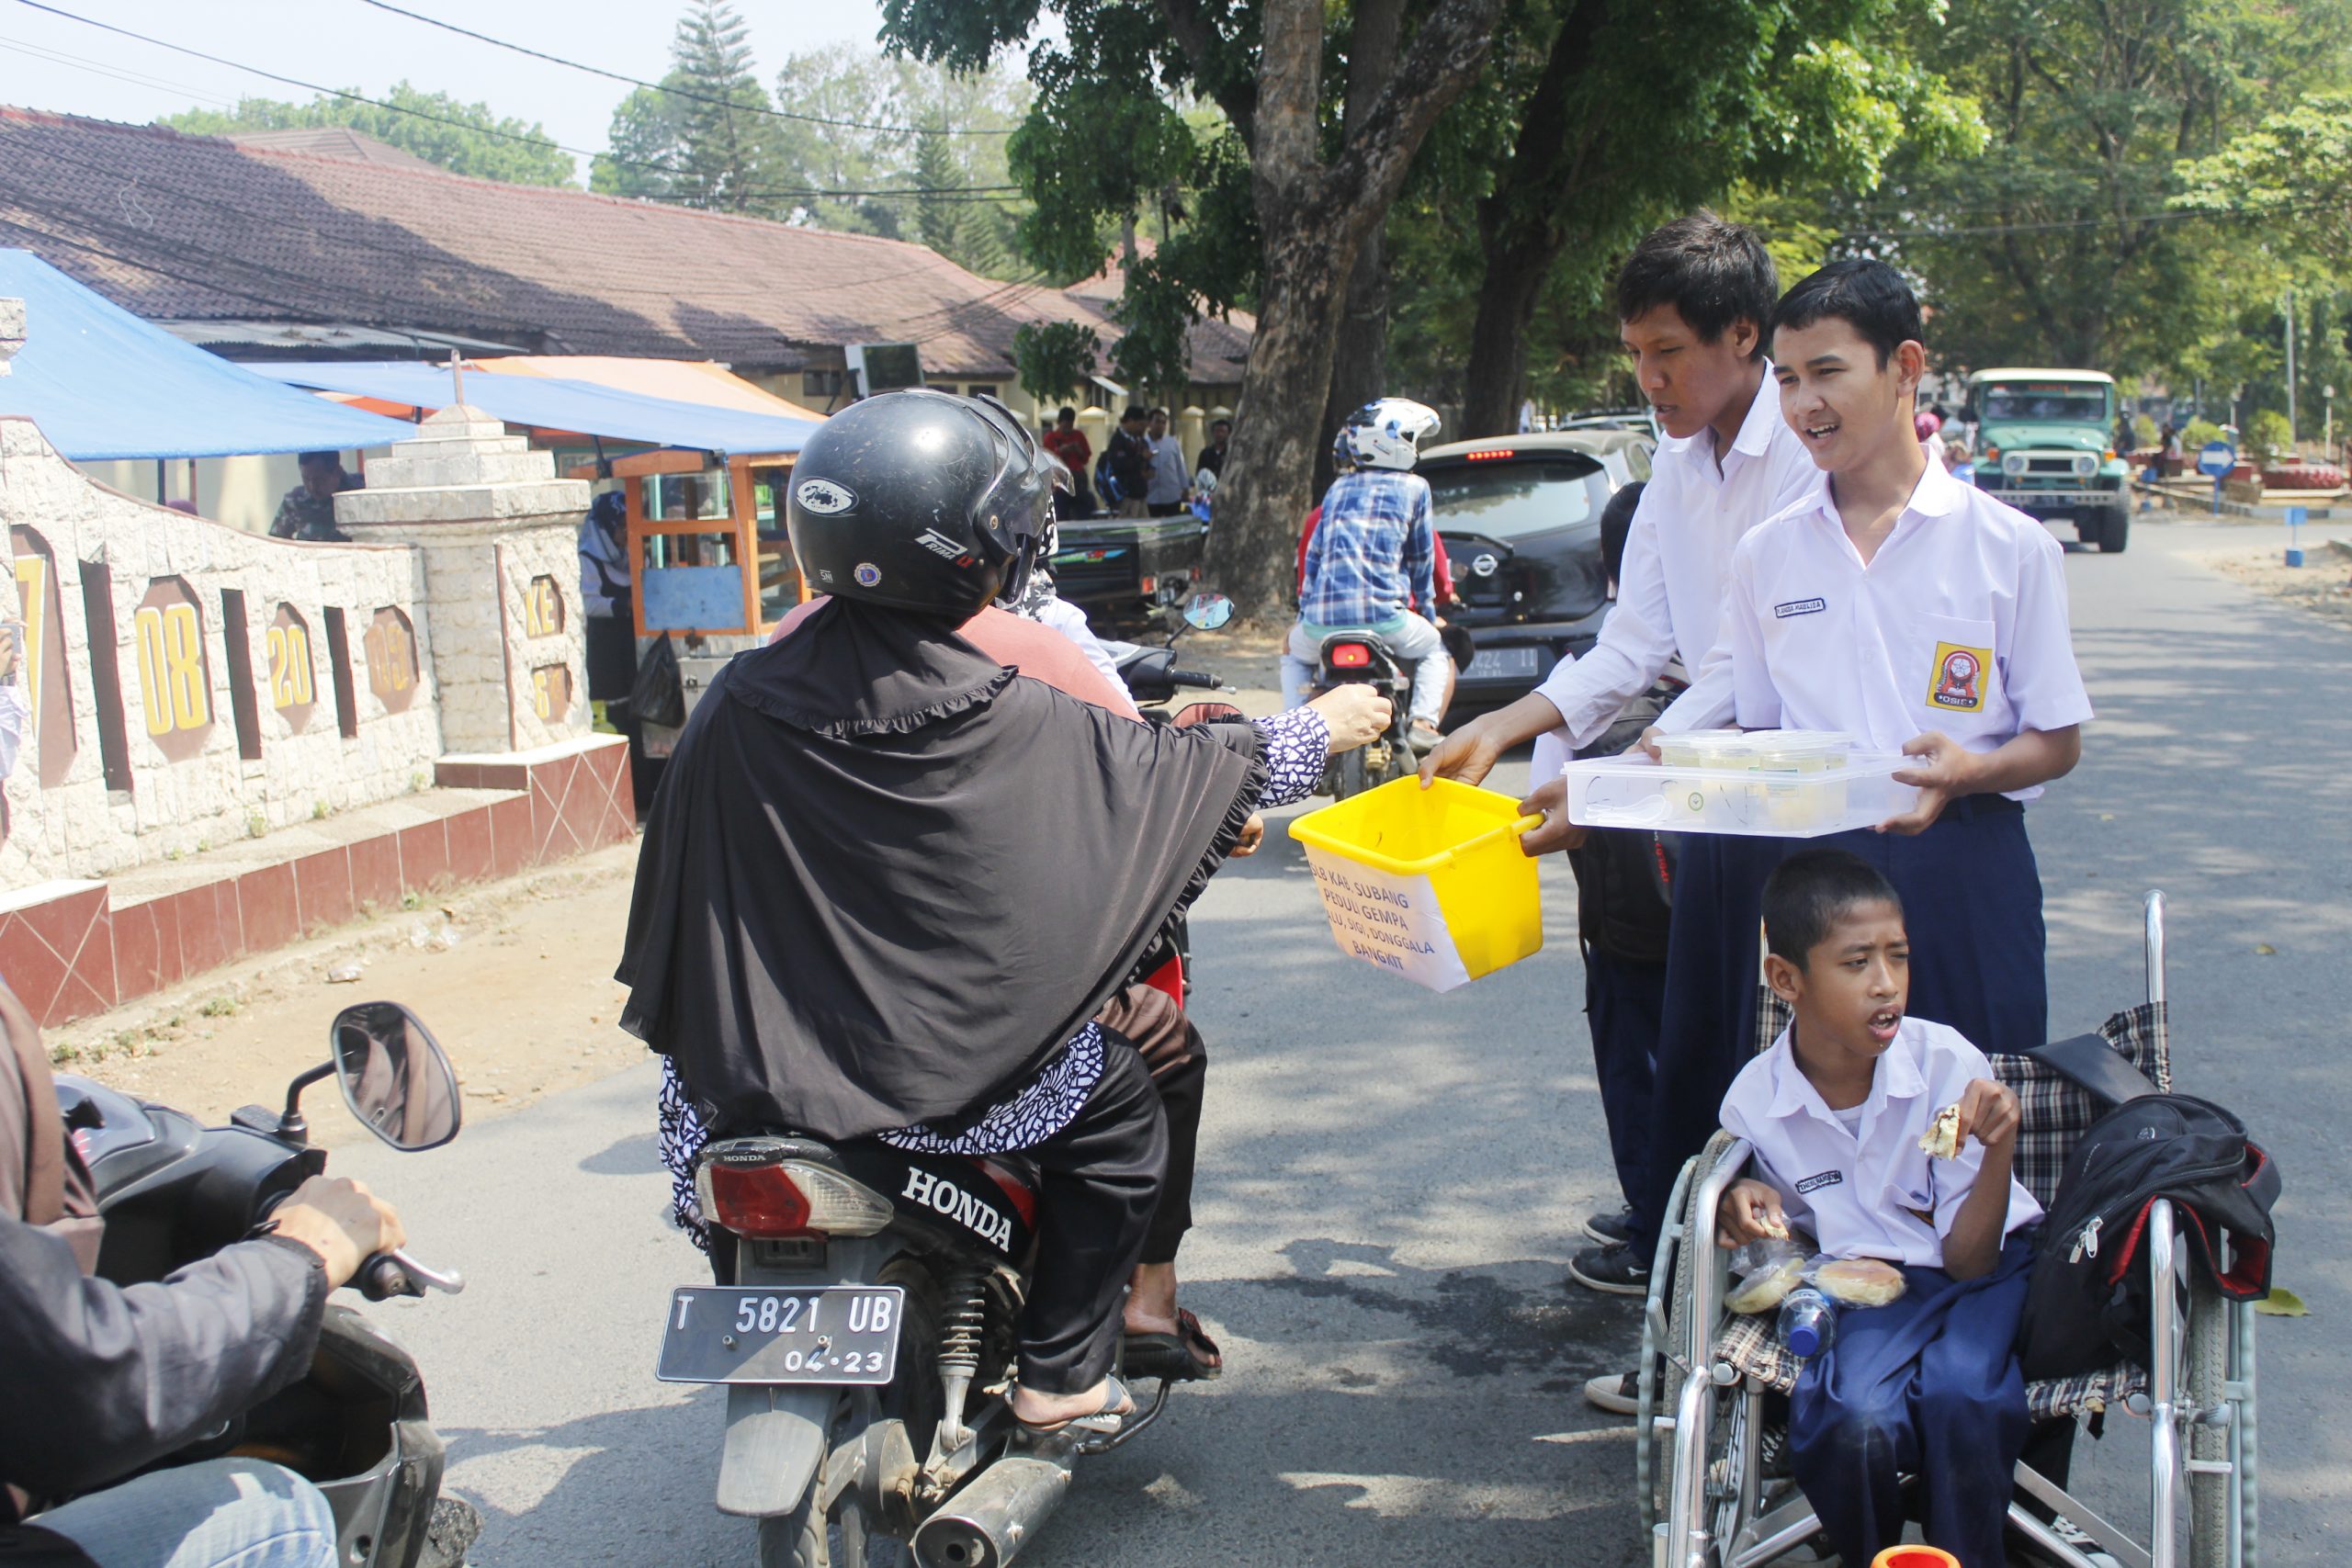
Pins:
<point x="2056" y="1113"/>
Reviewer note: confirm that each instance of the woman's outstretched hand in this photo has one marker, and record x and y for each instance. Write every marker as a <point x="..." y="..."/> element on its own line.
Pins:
<point x="1356" y="715"/>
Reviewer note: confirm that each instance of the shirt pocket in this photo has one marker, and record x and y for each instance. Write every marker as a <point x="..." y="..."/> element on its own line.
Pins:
<point x="1955" y="678"/>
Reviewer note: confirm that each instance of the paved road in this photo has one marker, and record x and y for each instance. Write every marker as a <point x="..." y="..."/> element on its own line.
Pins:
<point x="1392" y="1183"/>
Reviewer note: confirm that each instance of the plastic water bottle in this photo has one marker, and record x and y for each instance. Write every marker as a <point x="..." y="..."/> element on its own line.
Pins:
<point x="1808" y="1322"/>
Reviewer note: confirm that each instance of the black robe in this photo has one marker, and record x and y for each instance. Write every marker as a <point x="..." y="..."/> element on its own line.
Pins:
<point x="885" y="878"/>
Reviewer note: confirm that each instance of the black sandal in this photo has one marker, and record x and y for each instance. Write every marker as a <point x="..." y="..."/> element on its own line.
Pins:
<point x="1178" y="1358"/>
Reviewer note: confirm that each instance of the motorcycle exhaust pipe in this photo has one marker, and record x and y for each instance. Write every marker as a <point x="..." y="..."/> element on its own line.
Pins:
<point x="988" y="1523"/>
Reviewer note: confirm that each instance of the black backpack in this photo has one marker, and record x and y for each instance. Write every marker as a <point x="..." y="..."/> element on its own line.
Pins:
<point x="1625" y="875"/>
<point x="2087" y="1301"/>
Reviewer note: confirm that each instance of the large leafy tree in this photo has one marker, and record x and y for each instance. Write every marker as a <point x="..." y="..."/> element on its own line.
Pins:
<point x="1597" y="118"/>
<point x="465" y="138"/>
<point x="2063" y="241"/>
<point x="1272" y="201"/>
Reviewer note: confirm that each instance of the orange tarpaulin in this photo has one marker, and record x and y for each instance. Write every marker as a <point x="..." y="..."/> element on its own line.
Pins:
<point x="679" y="380"/>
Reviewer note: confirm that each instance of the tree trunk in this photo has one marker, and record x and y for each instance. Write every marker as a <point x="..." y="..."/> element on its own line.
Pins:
<point x="1497" y="369"/>
<point x="1523" y="227"/>
<point x="1314" y="219"/>
<point x="1360" y="365"/>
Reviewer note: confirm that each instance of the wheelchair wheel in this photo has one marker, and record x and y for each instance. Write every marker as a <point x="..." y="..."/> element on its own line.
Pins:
<point x="2204" y="1381"/>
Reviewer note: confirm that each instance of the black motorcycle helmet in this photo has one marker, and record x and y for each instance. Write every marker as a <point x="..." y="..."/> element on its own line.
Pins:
<point x="920" y="501"/>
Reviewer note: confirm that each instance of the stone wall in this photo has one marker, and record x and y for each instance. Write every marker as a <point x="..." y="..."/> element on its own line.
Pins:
<point x="222" y="736"/>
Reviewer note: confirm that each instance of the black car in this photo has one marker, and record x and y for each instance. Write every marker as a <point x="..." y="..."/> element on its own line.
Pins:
<point x="1520" y="518"/>
<point x="1121" y="565"/>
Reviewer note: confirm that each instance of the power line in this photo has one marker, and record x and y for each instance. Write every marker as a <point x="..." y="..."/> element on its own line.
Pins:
<point x="2180" y="215"/>
<point x="347" y="96"/>
<point x="96" y="68"/>
<point x="676" y="91"/>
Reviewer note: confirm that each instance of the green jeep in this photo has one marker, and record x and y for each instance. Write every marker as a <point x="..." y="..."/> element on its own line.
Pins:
<point x="2042" y="444"/>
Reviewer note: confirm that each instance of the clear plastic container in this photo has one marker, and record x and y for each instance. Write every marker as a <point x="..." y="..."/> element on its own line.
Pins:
<point x="1770" y="784"/>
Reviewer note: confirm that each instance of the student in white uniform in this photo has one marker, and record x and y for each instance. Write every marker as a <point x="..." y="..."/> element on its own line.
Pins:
<point x="1693" y="301"/>
<point x="1921" y="615"/>
<point x="1927" y="1384"/>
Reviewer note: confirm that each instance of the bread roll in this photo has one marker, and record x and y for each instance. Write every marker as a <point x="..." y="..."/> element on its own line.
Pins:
<point x="1860" y="1281"/>
<point x="1762" y="1290"/>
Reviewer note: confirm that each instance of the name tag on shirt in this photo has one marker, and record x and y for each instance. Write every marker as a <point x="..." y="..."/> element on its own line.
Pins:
<point x="1815" y="1183"/>
<point x="1800" y="607"/>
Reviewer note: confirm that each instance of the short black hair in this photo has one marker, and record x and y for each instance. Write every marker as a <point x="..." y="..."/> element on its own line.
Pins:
<point x="1135" y="411"/>
<point x="1711" y="271"/>
<point x="1220" y="424"/>
<point x="1869" y="296"/>
<point x="1067" y="412"/>
<point x="307" y="458"/>
<point x="1811" y="891"/>
<point x="1616" y="522"/>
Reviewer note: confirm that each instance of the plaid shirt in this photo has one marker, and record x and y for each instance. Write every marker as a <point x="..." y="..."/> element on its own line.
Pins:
<point x="1372" y="553"/>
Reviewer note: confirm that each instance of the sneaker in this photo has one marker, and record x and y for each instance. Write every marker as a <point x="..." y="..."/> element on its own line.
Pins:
<point x="1611" y="1230"/>
<point x="1618" y="1394"/>
<point x="1613" y="1270"/>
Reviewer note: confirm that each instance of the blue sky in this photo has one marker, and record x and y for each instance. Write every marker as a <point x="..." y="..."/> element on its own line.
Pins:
<point x="49" y="62"/>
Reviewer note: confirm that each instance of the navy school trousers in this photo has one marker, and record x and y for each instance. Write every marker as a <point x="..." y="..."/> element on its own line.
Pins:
<point x="1624" y="1000"/>
<point x="1972" y="904"/>
<point x="1927" y="1385"/>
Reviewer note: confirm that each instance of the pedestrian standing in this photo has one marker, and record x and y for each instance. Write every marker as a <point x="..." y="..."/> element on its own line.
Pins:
<point x="1069" y="444"/>
<point x="1165" y="494"/>
<point x="1693" y="301"/>
<point x="1127" y="459"/>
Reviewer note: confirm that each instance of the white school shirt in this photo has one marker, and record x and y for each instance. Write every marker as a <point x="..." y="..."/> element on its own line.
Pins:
<point x="1957" y="624"/>
<point x="1678" y="559"/>
<point x="1872" y="1192"/>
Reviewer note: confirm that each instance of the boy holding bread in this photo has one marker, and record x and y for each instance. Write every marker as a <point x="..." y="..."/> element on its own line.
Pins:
<point x="1887" y="1138"/>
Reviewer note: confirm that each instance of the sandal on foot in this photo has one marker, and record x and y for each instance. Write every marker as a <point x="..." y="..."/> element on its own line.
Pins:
<point x="1117" y="1405"/>
<point x="1181" y="1357"/>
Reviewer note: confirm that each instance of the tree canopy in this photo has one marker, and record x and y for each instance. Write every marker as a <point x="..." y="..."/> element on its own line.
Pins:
<point x="465" y="138"/>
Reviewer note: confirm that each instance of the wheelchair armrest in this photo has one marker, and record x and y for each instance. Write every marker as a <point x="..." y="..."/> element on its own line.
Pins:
<point x="1710" y="1265"/>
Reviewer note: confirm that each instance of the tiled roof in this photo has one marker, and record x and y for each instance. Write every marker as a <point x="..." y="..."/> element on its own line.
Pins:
<point x="193" y="228"/>
<point x="330" y="141"/>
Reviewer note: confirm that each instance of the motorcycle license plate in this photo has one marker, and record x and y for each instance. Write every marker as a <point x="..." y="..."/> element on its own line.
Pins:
<point x="1499" y="663"/>
<point x="831" y="1333"/>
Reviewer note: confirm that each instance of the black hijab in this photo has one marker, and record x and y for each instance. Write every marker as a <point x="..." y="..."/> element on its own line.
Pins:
<point x="885" y="878"/>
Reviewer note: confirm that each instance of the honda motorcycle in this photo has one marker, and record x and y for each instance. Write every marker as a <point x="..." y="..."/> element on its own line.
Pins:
<point x="174" y="1192"/>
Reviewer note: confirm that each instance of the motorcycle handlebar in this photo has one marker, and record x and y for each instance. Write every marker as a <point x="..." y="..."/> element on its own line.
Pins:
<point x="1200" y="678"/>
<point x="395" y="1273"/>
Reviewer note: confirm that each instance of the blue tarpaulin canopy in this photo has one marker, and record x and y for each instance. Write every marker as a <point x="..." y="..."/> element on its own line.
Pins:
<point x="101" y="384"/>
<point x="554" y="403"/>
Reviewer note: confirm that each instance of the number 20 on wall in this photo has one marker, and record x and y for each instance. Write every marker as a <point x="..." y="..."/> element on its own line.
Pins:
<point x="289" y="667"/>
<point x="171" y="668"/>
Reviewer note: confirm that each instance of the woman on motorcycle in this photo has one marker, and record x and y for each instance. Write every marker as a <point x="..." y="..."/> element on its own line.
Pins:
<point x="853" y="918"/>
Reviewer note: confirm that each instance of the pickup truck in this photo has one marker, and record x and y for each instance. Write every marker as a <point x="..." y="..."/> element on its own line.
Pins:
<point x="2043" y="446"/>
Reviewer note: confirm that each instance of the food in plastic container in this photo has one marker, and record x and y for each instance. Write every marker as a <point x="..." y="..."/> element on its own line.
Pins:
<point x="1767" y="783"/>
<point x="1858" y="1282"/>
<point x="1762" y="1272"/>
<point x="1941" y="1140"/>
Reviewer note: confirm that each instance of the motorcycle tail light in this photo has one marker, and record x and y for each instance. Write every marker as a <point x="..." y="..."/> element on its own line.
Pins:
<point x="771" y="1199"/>
<point x="1351" y="656"/>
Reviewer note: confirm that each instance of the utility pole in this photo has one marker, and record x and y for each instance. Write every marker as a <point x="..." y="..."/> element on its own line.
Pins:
<point x="2291" y="368"/>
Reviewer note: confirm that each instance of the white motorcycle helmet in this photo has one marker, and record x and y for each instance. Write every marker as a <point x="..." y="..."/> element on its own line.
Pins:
<point x="1387" y="433"/>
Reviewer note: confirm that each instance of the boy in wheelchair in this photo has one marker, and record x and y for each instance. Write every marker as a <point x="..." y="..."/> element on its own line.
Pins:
<point x="1836" y="1111"/>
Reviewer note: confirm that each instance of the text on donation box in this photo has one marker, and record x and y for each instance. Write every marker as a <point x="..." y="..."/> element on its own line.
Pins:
<point x="1391" y="922"/>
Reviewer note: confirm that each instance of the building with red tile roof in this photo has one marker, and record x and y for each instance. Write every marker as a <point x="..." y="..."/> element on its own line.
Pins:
<point x="256" y="246"/>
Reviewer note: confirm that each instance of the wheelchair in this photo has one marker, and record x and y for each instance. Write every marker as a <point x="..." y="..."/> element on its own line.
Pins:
<point x="1714" y="1487"/>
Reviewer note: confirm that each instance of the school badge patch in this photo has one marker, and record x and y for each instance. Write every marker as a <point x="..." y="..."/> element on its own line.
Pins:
<point x="1959" y="684"/>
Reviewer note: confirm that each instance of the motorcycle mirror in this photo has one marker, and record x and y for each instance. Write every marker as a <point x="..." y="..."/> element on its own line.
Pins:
<point x="1204" y="713"/>
<point x="1208" y="611"/>
<point x="394" y="1076"/>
